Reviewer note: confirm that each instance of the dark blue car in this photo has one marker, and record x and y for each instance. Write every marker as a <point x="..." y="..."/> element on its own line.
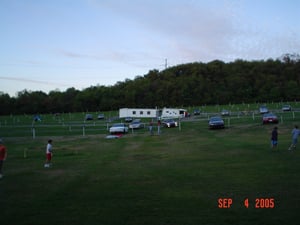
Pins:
<point x="216" y="123"/>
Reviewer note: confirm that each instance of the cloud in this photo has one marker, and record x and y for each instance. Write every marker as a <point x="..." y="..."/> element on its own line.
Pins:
<point x="191" y="29"/>
<point x="19" y="79"/>
<point x="135" y="58"/>
<point x="205" y="30"/>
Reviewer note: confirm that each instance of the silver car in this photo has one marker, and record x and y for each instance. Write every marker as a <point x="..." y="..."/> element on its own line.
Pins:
<point x="136" y="124"/>
<point x="118" y="128"/>
<point x="263" y="109"/>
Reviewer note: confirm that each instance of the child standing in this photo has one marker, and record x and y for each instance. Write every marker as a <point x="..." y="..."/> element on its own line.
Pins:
<point x="151" y="127"/>
<point x="48" y="154"/>
<point x="274" y="138"/>
<point x="3" y="155"/>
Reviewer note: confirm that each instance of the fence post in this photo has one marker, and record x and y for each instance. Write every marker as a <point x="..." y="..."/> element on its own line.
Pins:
<point x="25" y="153"/>
<point x="33" y="132"/>
<point x="293" y="115"/>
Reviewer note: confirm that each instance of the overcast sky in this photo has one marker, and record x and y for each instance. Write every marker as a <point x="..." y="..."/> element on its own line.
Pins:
<point x="57" y="44"/>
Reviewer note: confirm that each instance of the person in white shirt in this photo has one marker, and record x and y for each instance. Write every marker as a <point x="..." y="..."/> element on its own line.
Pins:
<point x="48" y="153"/>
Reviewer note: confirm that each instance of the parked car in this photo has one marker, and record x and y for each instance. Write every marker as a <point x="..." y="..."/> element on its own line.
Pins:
<point x="169" y="123"/>
<point x="216" y="122"/>
<point x="286" y="108"/>
<point x="197" y="112"/>
<point x="269" y="118"/>
<point x="37" y="118"/>
<point x="136" y="124"/>
<point x="101" y="117"/>
<point x="225" y="112"/>
<point x="118" y="128"/>
<point x="263" y="109"/>
<point x="128" y="119"/>
<point x="88" y="117"/>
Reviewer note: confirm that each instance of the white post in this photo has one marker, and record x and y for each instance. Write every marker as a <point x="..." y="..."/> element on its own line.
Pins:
<point x="293" y="115"/>
<point x="83" y="130"/>
<point x="25" y="152"/>
<point x="281" y="119"/>
<point x="179" y="125"/>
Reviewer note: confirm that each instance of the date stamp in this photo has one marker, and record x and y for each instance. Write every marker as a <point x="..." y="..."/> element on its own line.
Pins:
<point x="257" y="203"/>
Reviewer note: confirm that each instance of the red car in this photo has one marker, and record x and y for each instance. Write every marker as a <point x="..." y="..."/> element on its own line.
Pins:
<point x="269" y="118"/>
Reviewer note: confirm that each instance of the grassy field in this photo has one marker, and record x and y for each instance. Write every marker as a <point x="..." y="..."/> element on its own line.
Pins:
<point x="176" y="178"/>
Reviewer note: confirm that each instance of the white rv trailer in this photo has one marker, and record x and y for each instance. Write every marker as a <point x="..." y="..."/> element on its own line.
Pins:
<point x="173" y="113"/>
<point x="138" y="113"/>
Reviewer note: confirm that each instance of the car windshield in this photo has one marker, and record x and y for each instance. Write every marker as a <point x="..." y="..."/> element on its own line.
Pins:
<point x="269" y="115"/>
<point x="215" y="119"/>
<point x="118" y="125"/>
<point x="136" y="121"/>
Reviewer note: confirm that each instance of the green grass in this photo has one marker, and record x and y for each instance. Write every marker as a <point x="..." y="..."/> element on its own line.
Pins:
<point x="175" y="178"/>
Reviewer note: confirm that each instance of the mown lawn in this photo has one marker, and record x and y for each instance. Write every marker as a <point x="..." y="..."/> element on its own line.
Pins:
<point x="172" y="179"/>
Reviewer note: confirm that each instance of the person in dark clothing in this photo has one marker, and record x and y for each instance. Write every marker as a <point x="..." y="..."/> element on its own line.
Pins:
<point x="274" y="138"/>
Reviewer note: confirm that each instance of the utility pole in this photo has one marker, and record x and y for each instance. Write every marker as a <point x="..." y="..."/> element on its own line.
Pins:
<point x="166" y="63"/>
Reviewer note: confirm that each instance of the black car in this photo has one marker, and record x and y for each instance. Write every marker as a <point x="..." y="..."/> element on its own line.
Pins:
<point x="197" y="112"/>
<point x="225" y="112"/>
<point x="128" y="119"/>
<point x="169" y="123"/>
<point x="216" y="122"/>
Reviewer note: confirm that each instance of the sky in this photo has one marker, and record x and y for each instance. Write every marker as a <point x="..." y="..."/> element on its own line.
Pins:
<point x="53" y="45"/>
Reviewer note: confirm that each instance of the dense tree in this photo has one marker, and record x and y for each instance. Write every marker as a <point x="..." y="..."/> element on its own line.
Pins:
<point x="189" y="84"/>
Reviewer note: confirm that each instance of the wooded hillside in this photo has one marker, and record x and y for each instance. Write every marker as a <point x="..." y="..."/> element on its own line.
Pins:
<point x="190" y="84"/>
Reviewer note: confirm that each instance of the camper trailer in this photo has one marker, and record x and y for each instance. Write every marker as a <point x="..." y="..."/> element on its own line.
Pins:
<point x="173" y="113"/>
<point x="138" y="113"/>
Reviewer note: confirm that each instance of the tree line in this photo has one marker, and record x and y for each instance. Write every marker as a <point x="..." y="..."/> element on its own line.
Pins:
<point x="191" y="84"/>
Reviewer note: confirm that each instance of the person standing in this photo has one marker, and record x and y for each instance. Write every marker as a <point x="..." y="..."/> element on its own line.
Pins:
<point x="151" y="127"/>
<point x="274" y="138"/>
<point x="158" y="127"/>
<point x="295" y="135"/>
<point x="48" y="154"/>
<point x="3" y="155"/>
